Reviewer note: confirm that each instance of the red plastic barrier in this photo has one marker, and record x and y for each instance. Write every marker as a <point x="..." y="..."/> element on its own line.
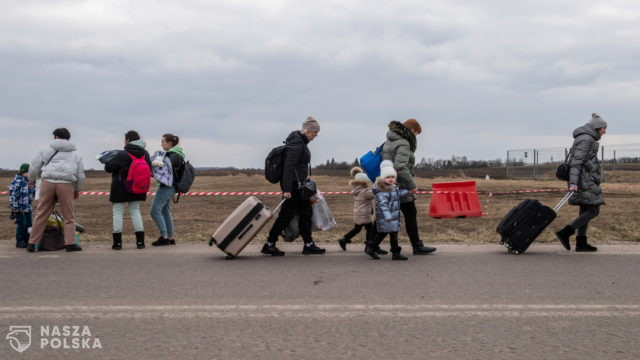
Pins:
<point x="455" y="200"/>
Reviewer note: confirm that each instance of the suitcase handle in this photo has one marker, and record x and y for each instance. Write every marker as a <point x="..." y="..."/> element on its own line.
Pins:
<point x="279" y="206"/>
<point x="563" y="201"/>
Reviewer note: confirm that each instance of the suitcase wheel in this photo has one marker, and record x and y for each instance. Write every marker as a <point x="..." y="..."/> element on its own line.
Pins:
<point x="229" y="257"/>
<point x="212" y="241"/>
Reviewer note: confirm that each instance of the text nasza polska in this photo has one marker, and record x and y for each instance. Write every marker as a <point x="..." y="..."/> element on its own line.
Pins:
<point x="68" y="337"/>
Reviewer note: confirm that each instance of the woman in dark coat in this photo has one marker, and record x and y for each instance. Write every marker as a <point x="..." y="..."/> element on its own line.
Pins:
<point x="119" y="168"/>
<point x="584" y="180"/>
<point x="296" y="165"/>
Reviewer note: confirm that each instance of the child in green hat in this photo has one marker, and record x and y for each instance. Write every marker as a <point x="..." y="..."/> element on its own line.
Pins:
<point x="20" y="201"/>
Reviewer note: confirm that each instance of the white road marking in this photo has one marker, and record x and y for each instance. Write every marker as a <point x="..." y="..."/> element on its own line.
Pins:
<point x="318" y="311"/>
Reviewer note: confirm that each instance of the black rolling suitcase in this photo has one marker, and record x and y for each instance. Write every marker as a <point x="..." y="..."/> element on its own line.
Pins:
<point x="522" y="224"/>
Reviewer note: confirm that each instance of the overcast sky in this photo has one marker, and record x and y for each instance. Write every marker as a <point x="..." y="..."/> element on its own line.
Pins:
<point x="232" y="78"/>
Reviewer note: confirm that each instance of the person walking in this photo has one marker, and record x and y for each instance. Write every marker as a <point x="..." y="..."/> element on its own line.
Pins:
<point x="388" y="198"/>
<point x="119" y="167"/>
<point x="295" y="171"/>
<point x="363" y="209"/>
<point x="161" y="206"/>
<point x="400" y="148"/>
<point x="585" y="177"/>
<point x="62" y="172"/>
<point x="21" y="196"/>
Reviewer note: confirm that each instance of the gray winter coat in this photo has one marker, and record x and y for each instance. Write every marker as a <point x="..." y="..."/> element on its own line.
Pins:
<point x="388" y="206"/>
<point x="400" y="147"/>
<point x="585" y="167"/>
<point x="64" y="167"/>
<point x="363" y="203"/>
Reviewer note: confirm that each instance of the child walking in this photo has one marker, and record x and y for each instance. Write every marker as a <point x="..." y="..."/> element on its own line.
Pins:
<point x="387" y="196"/>
<point x="20" y="201"/>
<point x="363" y="212"/>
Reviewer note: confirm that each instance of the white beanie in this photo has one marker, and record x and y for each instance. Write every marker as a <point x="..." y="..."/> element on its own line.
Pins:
<point x="386" y="169"/>
<point x="361" y="177"/>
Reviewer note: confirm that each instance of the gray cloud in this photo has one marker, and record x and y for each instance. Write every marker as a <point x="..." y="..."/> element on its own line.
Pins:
<point x="232" y="78"/>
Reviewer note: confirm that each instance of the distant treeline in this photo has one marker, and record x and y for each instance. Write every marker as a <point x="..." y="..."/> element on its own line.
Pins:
<point x="456" y="162"/>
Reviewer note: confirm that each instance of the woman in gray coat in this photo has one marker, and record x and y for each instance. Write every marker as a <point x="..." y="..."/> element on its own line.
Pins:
<point x="584" y="180"/>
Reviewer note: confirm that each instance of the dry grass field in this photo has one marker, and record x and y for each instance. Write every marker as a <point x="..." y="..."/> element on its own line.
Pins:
<point x="196" y="217"/>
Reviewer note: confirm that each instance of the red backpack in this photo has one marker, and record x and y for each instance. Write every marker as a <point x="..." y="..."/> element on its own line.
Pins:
<point x="139" y="176"/>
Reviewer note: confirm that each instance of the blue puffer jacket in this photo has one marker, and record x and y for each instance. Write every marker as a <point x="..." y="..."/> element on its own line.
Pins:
<point x="388" y="206"/>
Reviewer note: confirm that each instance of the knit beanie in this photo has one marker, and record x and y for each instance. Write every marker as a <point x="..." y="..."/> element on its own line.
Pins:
<point x="386" y="169"/>
<point x="597" y="122"/>
<point x="311" y="124"/>
<point x="24" y="168"/>
<point x="361" y="177"/>
<point x="413" y="124"/>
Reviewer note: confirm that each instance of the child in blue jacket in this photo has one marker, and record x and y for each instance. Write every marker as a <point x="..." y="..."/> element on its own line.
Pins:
<point x="387" y="197"/>
<point x="20" y="201"/>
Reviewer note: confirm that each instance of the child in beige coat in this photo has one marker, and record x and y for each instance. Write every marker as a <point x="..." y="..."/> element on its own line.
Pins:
<point x="363" y="213"/>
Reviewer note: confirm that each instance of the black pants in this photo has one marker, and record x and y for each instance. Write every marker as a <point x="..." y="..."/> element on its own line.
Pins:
<point x="375" y="242"/>
<point x="289" y="209"/>
<point x="410" y="213"/>
<point x="587" y="213"/>
<point x="356" y="230"/>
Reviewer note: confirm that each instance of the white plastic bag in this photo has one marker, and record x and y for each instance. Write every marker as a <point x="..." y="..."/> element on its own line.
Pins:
<point x="322" y="218"/>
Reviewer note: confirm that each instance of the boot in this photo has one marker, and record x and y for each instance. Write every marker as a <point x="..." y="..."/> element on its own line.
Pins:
<point x="343" y="243"/>
<point x="117" y="241"/>
<point x="397" y="256"/>
<point x="271" y="250"/>
<point x="369" y="251"/>
<point x="73" y="247"/>
<point x="564" y="235"/>
<point x="32" y="247"/>
<point x="582" y="246"/>
<point x="140" y="239"/>
<point x="162" y="242"/>
<point x="420" y="249"/>
<point x="312" y="249"/>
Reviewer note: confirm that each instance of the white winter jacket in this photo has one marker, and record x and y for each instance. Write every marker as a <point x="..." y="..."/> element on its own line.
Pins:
<point x="63" y="167"/>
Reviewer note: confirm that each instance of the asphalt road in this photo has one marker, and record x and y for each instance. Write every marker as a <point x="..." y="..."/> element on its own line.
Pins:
<point x="187" y="302"/>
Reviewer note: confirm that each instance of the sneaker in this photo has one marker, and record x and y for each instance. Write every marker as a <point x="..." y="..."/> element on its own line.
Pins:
<point x="21" y="245"/>
<point x="31" y="247"/>
<point x="163" y="242"/>
<point x="73" y="247"/>
<point x="312" y="250"/>
<point x="271" y="250"/>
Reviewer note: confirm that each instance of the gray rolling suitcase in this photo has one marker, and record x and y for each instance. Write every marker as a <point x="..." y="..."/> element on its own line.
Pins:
<point x="241" y="226"/>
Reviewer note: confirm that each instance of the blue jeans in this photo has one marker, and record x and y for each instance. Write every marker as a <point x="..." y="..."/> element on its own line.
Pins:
<point x="161" y="212"/>
<point x="24" y="222"/>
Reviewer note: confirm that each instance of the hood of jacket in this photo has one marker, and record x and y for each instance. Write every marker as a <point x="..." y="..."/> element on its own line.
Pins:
<point x="382" y="186"/>
<point x="587" y="130"/>
<point x="136" y="148"/>
<point x="358" y="186"/>
<point x="398" y="131"/>
<point x="178" y="150"/>
<point x="296" y="136"/>
<point x="62" y="145"/>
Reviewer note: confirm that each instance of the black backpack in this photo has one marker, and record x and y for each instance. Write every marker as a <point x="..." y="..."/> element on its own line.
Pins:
<point x="185" y="180"/>
<point x="274" y="164"/>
